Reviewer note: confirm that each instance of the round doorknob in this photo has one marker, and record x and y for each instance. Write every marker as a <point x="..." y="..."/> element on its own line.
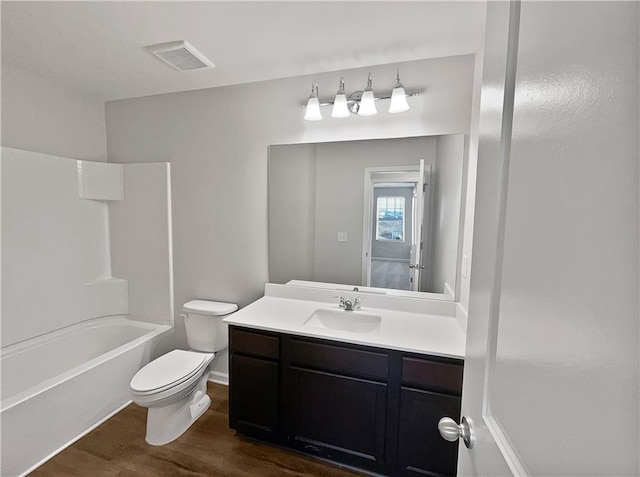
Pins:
<point x="451" y="431"/>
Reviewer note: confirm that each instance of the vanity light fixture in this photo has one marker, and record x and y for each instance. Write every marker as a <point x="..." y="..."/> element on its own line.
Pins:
<point x="398" y="97"/>
<point x="313" y="105"/>
<point x="368" y="101"/>
<point x="340" y="108"/>
<point x="362" y="103"/>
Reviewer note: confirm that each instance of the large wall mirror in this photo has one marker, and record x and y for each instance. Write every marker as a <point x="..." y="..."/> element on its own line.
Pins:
<point x="382" y="213"/>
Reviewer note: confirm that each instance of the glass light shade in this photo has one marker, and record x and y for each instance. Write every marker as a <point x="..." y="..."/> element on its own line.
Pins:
<point x="313" y="110"/>
<point x="340" y="109"/>
<point x="367" y="104"/>
<point x="398" y="100"/>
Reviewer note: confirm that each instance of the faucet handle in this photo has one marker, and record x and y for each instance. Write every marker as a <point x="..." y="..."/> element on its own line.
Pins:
<point x="341" y="303"/>
<point x="357" y="303"/>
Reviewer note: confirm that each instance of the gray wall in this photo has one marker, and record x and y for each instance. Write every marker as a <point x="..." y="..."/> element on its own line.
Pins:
<point x="42" y="115"/>
<point x="447" y="180"/>
<point x="217" y="139"/>
<point x="292" y="206"/>
<point x="340" y="194"/>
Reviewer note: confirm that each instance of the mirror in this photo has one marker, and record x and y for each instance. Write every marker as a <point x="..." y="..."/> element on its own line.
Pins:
<point x="382" y="213"/>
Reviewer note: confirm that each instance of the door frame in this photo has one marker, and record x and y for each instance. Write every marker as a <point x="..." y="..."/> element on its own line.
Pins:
<point x="387" y="174"/>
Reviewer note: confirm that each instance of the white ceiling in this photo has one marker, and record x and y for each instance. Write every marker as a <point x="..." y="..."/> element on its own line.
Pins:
<point x="99" y="46"/>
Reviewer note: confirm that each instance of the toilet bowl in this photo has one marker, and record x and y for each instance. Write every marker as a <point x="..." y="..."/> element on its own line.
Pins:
<point x="174" y="386"/>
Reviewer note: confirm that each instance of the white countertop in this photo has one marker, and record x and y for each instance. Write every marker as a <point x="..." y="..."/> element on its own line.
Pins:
<point x="432" y="334"/>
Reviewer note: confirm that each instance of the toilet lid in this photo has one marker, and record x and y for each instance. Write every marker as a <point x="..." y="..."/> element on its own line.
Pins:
<point x="171" y="368"/>
<point x="207" y="307"/>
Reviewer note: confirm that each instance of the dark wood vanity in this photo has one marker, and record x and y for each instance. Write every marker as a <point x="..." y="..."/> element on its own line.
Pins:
<point x="367" y="407"/>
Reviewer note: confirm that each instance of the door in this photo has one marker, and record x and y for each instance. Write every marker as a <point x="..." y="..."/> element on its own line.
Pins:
<point x="551" y="373"/>
<point x="255" y="397"/>
<point x="421" y="450"/>
<point x="422" y="216"/>
<point x="338" y="417"/>
<point x="394" y="228"/>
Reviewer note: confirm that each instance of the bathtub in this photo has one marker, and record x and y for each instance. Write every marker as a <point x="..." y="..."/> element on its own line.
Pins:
<point x="59" y="386"/>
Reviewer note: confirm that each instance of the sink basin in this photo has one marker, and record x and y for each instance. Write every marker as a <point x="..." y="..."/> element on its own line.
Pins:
<point x="353" y="321"/>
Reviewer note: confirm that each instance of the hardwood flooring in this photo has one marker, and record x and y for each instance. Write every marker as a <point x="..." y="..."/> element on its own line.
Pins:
<point x="208" y="448"/>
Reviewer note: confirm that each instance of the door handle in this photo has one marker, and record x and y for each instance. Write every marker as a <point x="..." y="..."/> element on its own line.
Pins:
<point x="451" y="431"/>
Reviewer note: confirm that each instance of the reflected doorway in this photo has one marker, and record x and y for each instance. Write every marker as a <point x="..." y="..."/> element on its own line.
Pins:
<point x="396" y="217"/>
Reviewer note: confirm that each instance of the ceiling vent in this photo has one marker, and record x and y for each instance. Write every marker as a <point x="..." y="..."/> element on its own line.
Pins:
<point x="181" y="56"/>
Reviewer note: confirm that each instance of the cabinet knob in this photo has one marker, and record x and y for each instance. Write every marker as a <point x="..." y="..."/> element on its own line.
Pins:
<point x="451" y="431"/>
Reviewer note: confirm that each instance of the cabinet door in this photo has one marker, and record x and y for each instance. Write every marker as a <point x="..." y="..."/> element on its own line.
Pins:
<point x="254" y="397"/>
<point x="338" y="418"/>
<point x="421" y="449"/>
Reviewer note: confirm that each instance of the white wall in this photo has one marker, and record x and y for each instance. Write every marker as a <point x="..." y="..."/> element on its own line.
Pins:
<point x="42" y="115"/>
<point x="217" y="140"/>
<point x="447" y="212"/>
<point x="140" y="241"/>
<point x="56" y="268"/>
<point x="82" y="240"/>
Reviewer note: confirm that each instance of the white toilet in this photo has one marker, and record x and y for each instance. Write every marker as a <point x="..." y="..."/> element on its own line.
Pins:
<point x="174" y="386"/>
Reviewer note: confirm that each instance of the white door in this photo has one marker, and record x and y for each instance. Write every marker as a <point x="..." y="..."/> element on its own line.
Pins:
<point x="551" y="369"/>
<point x="421" y="219"/>
<point x="377" y="178"/>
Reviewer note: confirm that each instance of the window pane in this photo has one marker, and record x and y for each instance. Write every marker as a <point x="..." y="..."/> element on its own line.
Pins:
<point x="390" y="218"/>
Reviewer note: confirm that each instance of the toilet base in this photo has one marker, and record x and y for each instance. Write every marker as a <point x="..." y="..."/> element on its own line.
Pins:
<point x="166" y="423"/>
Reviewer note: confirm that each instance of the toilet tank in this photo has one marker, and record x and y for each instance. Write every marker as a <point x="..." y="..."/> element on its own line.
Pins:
<point x="204" y="326"/>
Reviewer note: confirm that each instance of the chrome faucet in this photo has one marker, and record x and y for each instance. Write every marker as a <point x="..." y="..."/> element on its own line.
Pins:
<point x="349" y="305"/>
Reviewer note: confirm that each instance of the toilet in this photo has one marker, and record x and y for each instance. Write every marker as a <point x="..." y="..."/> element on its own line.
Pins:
<point x="174" y="386"/>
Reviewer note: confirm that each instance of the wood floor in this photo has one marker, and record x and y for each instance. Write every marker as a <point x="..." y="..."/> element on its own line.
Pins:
<point x="208" y="448"/>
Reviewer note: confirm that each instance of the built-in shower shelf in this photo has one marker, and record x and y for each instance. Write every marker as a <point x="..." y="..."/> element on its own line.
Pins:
<point x="100" y="180"/>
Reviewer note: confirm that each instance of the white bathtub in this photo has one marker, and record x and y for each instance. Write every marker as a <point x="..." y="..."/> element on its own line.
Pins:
<point x="59" y="386"/>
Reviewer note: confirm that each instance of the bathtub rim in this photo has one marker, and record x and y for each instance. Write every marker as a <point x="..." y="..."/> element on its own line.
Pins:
<point x="155" y="330"/>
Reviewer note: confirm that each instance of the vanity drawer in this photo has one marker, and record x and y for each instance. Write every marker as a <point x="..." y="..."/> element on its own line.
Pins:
<point x="254" y="343"/>
<point x="340" y="360"/>
<point x="434" y="375"/>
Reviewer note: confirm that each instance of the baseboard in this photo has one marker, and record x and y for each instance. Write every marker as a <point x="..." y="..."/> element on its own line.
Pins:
<point x="219" y="378"/>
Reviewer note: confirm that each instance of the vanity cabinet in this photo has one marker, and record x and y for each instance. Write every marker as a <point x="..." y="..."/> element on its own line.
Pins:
<point x="337" y="402"/>
<point x="255" y="394"/>
<point x="367" y="407"/>
<point x="430" y="390"/>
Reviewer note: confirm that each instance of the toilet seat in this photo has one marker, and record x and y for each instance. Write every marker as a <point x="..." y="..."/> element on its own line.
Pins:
<point x="170" y="371"/>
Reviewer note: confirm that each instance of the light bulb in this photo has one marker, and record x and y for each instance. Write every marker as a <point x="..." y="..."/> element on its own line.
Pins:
<point x="398" y="97"/>
<point x="340" y="109"/>
<point x="367" y="102"/>
<point x="313" y="105"/>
